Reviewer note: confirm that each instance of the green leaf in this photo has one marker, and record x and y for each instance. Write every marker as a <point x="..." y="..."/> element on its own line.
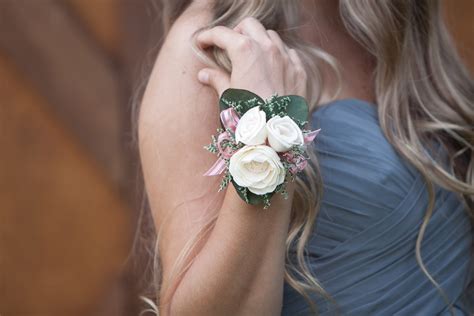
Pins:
<point x="297" y="109"/>
<point x="253" y="198"/>
<point x="240" y="99"/>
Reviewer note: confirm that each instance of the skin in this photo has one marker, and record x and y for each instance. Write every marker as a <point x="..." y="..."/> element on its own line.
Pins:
<point x="240" y="268"/>
<point x="322" y="26"/>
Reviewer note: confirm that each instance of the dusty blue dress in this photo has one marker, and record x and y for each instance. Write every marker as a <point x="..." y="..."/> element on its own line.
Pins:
<point x="363" y="247"/>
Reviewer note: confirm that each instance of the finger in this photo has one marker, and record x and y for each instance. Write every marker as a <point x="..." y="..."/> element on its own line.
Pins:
<point x="215" y="78"/>
<point x="295" y="58"/>
<point x="278" y="41"/>
<point x="237" y="29"/>
<point x="252" y="27"/>
<point x="220" y="36"/>
<point x="299" y="72"/>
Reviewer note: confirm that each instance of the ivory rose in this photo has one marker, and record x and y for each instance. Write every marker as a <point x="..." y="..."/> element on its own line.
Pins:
<point x="257" y="167"/>
<point x="283" y="133"/>
<point x="251" y="127"/>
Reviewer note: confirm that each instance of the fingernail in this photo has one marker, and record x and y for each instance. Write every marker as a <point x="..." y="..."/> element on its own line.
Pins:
<point x="203" y="76"/>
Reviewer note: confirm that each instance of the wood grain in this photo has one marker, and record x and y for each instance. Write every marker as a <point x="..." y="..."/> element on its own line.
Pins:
<point x="101" y="19"/>
<point x="458" y="15"/>
<point x="64" y="231"/>
<point x="79" y="81"/>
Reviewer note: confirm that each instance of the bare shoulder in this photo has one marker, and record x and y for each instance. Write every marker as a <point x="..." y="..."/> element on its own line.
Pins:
<point x="176" y="49"/>
<point x="177" y="118"/>
<point x="176" y="59"/>
<point x="175" y="68"/>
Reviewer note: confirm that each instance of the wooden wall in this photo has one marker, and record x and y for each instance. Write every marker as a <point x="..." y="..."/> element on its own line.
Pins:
<point x="67" y="173"/>
<point x="458" y="14"/>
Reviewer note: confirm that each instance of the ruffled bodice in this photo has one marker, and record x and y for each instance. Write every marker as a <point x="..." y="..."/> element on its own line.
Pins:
<point x="362" y="249"/>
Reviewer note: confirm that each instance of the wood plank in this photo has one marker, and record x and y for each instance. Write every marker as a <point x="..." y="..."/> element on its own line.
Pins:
<point x="80" y="82"/>
<point x="141" y="33"/>
<point x="458" y="15"/>
<point x="101" y="19"/>
<point x="64" y="230"/>
<point x="142" y="36"/>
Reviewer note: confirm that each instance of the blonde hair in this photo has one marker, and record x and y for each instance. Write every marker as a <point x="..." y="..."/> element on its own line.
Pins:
<point x="423" y="93"/>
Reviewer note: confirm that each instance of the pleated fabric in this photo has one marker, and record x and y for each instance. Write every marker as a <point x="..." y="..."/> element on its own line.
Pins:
<point x="362" y="249"/>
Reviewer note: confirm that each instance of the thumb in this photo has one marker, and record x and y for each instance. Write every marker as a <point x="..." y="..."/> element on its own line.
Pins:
<point x="216" y="78"/>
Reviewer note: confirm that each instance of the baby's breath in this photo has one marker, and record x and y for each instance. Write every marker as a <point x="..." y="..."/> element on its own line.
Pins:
<point x="266" y="201"/>
<point x="244" y="192"/>
<point x="241" y="106"/>
<point x="225" y="181"/>
<point x="276" y="106"/>
<point x="212" y="147"/>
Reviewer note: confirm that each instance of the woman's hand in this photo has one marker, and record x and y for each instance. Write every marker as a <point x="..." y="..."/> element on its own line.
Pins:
<point x="261" y="62"/>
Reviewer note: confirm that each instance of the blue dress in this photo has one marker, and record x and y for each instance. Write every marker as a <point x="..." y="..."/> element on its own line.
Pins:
<point x="362" y="249"/>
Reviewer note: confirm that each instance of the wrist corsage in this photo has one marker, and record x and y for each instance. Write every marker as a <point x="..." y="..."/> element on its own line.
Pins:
<point x="261" y="145"/>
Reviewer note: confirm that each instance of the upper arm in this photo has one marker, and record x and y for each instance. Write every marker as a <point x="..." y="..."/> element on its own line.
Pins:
<point x="178" y="115"/>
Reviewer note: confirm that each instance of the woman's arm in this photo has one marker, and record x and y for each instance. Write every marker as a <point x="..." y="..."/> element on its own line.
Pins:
<point x="240" y="269"/>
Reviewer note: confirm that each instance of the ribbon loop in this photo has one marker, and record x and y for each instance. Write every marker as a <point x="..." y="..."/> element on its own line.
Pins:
<point x="217" y="168"/>
<point x="308" y="138"/>
<point x="229" y="118"/>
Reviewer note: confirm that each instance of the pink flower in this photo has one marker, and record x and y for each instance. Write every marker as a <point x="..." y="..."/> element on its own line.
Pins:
<point x="222" y="139"/>
<point x="297" y="162"/>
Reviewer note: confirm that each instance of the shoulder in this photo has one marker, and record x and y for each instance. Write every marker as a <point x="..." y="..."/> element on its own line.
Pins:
<point x="177" y="117"/>
<point x="176" y="50"/>
<point x="173" y="88"/>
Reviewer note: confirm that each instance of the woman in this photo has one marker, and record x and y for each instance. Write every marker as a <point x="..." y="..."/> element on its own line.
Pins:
<point x="379" y="224"/>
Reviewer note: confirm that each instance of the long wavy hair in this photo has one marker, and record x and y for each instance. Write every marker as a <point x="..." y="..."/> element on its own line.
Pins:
<point x="423" y="93"/>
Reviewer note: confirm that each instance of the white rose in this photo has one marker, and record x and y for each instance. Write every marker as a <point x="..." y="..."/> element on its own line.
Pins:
<point x="257" y="167"/>
<point x="283" y="133"/>
<point x="251" y="127"/>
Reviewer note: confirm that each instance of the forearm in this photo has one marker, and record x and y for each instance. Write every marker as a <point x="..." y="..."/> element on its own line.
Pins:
<point x="240" y="269"/>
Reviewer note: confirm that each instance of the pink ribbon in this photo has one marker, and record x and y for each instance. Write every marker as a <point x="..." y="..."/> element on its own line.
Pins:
<point x="221" y="139"/>
<point x="308" y="138"/>
<point x="229" y="118"/>
<point x="217" y="168"/>
<point x="300" y="162"/>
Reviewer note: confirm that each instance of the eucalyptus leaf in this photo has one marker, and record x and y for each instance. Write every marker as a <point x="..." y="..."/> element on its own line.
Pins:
<point x="297" y="109"/>
<point x="240" y="99"/>
<point x="253" y="198"/>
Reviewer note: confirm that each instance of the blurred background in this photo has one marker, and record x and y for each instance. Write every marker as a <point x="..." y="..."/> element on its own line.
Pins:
<point x="69" y="195"/>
